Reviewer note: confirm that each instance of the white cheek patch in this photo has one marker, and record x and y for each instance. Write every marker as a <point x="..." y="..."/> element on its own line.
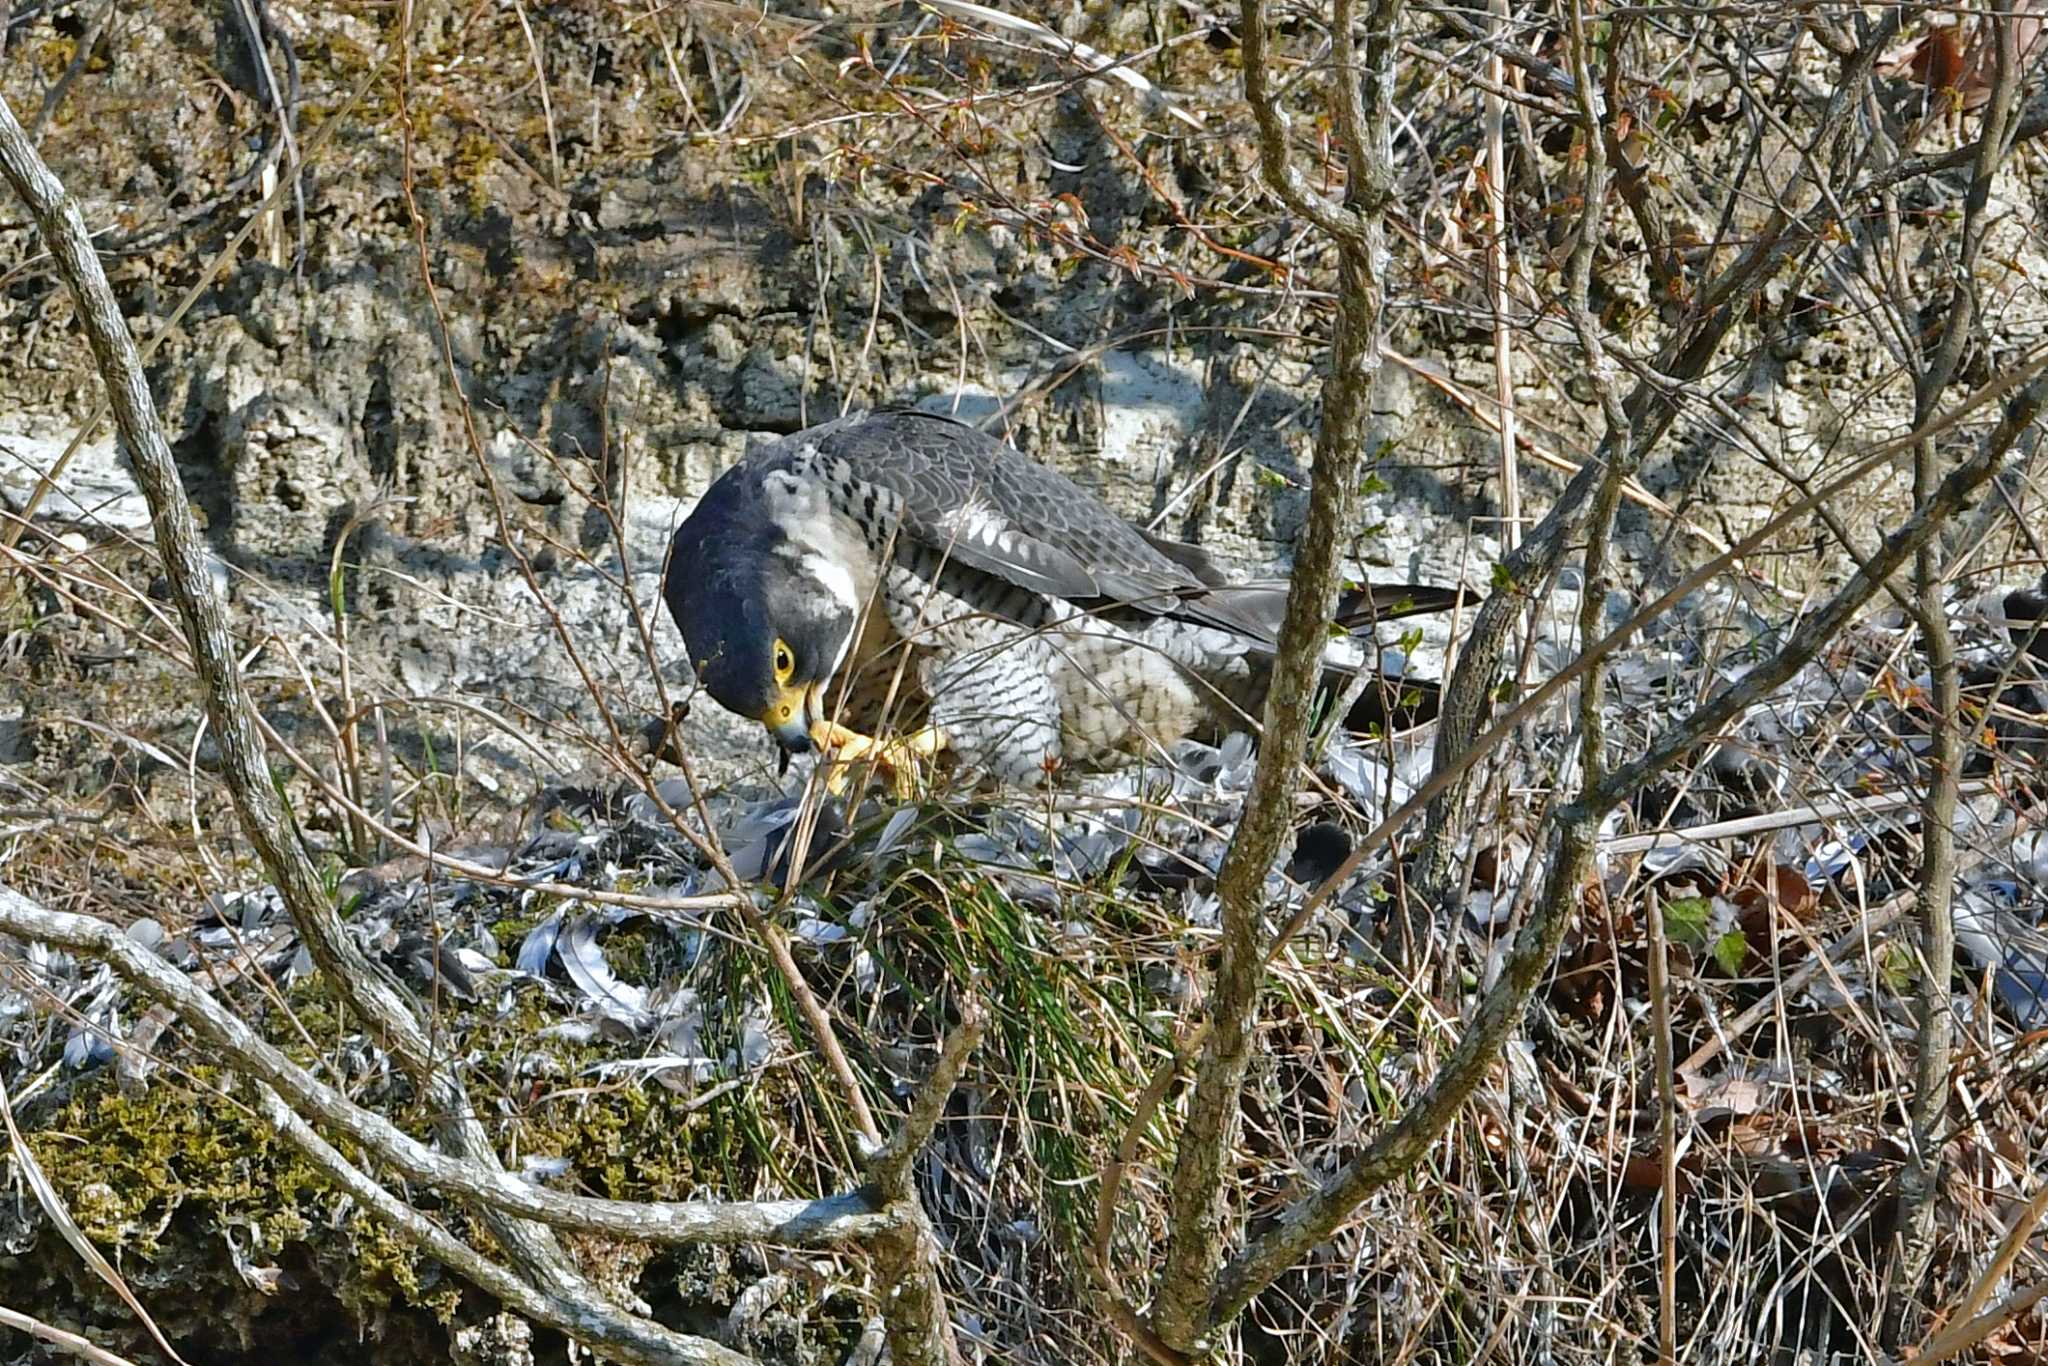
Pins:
<point x="836" y="580"/>
<point x="845" y="645"/>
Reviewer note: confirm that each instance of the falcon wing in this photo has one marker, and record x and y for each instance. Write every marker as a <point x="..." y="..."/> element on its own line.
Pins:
<point x="988" y="507"/>
<point x="985" y="506"/>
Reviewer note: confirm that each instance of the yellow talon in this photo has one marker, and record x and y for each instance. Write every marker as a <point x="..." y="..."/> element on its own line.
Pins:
<point x="900" y="757"/>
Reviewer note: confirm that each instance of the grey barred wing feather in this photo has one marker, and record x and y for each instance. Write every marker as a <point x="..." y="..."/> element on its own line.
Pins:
<point x="983" y="505"/>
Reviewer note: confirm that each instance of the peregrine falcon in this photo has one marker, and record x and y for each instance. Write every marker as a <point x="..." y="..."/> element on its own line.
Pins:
<point x="899" y="569"/>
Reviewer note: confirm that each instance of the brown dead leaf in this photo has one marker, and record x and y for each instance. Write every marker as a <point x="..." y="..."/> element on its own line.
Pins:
<point x="1645" y="1172"/>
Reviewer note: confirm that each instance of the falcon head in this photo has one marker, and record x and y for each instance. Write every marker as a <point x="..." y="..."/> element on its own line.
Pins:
<point x="765" y="616"/>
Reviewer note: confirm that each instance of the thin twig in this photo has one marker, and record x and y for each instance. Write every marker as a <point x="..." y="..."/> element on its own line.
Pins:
<point x="1961" y="1337"/>
<point x="1870" y="924"/>
<point x="547" y="104"/>
<point x="1497" y="282"/>
<point x="1997" y="1269"/>
<point x="1743" y="826"/>
<point x="50" y="1333"/>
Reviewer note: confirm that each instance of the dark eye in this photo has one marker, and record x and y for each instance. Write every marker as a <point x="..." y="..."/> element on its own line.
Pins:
<point x="784" y="661"/>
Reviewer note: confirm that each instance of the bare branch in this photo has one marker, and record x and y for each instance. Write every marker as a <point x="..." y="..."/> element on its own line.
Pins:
<point x="1599" y="137"/>
<point x="920" y="1332"/>
<point x="2033" y="126"/>
<point x="1181" y="1310"/>
<point x="1349" y="81"/>
<point x="1926" y="521"/>
<point x="889" y="1168"/>
<point x="63" y="1341"/>
<point x="1958" y="1338"/>
<point x="1684" y="358"/>
<point x="1445" y="776"/>
<point x="1395" y="1152"/>
<point x="1276" y="161"/>
<point x="230" y="711"/>
<point x="1920" y="1182"/>
<point x="46" y="481"/>
<point x="1495" y="112"/>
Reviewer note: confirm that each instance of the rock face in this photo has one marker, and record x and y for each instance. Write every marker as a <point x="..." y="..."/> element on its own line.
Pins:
<point x="616" y="310"/>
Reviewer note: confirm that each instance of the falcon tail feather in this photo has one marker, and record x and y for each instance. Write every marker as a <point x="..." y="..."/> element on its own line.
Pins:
<point x="1359" y="608"/>
<point x="1258" y="609"/>
<point x="1388" y="706"/>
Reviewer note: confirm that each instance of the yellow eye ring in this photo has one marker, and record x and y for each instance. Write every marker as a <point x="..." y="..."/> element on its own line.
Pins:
<point x="785" y="662"/>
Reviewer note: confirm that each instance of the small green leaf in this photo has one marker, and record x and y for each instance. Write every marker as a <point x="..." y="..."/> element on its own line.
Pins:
<point x="1730" y="949"/>
<point x="1501" y="578"/>
<point x="1685" y="920"/>
<point x="1899" y="969"/>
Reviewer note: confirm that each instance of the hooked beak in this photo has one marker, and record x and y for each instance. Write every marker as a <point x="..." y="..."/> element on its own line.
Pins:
<point x="789" y="720"/>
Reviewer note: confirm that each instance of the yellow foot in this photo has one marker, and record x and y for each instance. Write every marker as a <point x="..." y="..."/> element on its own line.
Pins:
<point x="901" y="758"/>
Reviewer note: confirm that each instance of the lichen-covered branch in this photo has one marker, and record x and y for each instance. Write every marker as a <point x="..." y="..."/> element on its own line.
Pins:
<point x="837" y="1221"/>
<point x="366" y="985"/>
<point x="1195" y="1237"/>
<point x="920" y="1331"/>
<point x="889" y="1168"/>
<point x="1275" y="164"/>
<point x="229" y="708"/>
<point x="567" y="1309"/>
